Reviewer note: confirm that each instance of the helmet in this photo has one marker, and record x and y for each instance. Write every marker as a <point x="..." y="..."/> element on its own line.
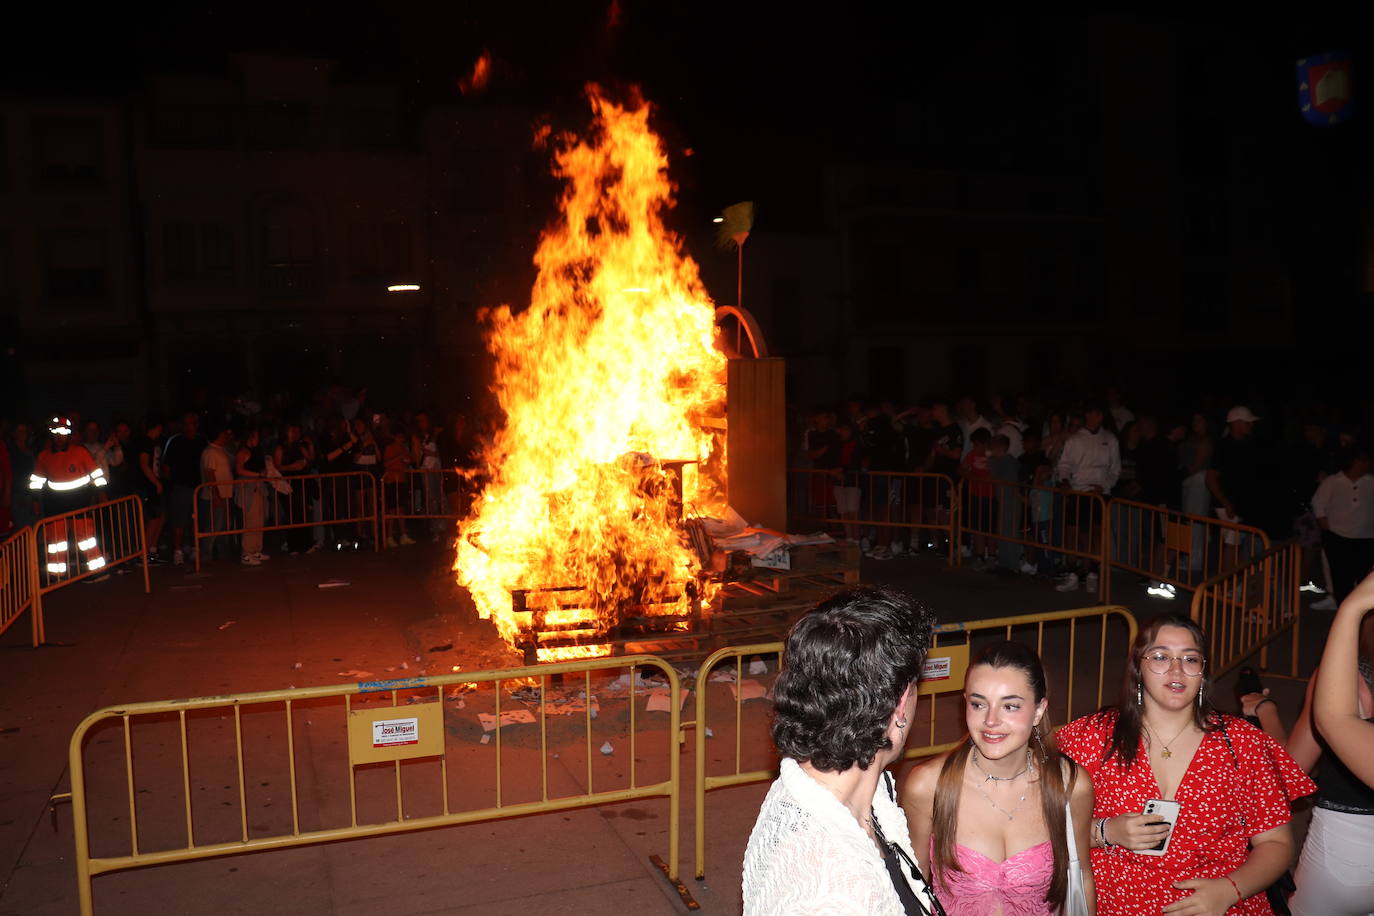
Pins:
<point x="60" y="426"/>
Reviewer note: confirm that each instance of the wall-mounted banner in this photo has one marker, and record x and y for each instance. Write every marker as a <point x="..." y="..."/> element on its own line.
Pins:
<point x="1326" y="88"/>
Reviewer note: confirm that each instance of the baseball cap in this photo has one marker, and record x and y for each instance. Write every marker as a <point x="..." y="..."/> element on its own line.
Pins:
<point x="1242" y="413"/>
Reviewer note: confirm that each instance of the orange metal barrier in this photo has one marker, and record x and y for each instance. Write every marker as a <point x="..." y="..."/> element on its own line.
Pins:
<point x="19" y="582"/>
<point x="900" y="500"/>
<point x="1045" y="522"/>
<point x="89" y="542"/>
<point x="1076" y="643"/>
<point x="1171" y="546"/>
<point x="1248" y="607"/>
<point x="416" y="753"/>
<point x="251" y="506"/>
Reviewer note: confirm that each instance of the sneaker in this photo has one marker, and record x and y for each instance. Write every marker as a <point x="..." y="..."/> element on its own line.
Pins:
<point x="1090" y="582"/>
<point x="1028" y="568"/>
<point x="1310" y="586"/>
<point x="1067" y="583"/>
<point x="260" y="556"/>
<point x="966" y="552"/>
<point x="155" y="560"/>
<point x="1326" y="604"/>
<point x="896" y="549"/>
<point x="178" y="558"/>
<point x="865" y="544"/>
<point x="250" y="559"/>
<point x="315" y="548"/>
<point x="391" y="542"/>
<point x="407" y="540"/>
<point x="881" y="553"/>
<point x="1161" y="590"/>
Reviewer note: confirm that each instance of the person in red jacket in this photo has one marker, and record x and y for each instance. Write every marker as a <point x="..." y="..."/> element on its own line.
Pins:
<point x="67" y="479"/>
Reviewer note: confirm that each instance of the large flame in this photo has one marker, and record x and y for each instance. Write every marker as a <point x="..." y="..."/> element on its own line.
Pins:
<point x="611" y="370"/>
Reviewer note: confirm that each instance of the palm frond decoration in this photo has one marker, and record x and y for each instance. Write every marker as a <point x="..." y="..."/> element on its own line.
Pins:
<point x="738" y="220"/>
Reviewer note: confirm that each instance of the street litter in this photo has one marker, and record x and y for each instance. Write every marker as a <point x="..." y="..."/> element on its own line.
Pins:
<point x="571" y="707"/>
<point x="297" y="666"/>
<point x="658" y="700"/>
<point x="749" y="690"/>
<point x="356" y="674"/>
<point x="404" y="666"/>
<point x="723" y="676"/>
<point x="607" y="749"/>
<point x="444" y="648"/>
<point x="511" y="717"/>
<point x="757" y="666"/>
<point x="486" y="739"/>
<point x="709" y="733"/>
<point x="333" y="583"/>
<point x="227" y="624"/>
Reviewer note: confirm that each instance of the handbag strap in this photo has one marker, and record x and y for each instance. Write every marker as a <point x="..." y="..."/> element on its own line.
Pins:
<point x="1069" y="834"/>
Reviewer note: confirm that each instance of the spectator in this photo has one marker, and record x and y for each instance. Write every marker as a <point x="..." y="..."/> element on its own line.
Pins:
<point x="107" y="451"/>
<point x="1344" y="507"/>
<point x="123" y="471"/>
<point x="147" y="483"/>
<point x="823" y="449"/>
<point x="966" y="411"/>
<point x="1237" y="481"/>
<point x="1195" y="459"/>
<point x="424" y="444"/>
<point x="251" y="494"/>
<point x="1005" y="470"/>
<point x="881" y="448"/>
<point x="181" y="458"/>
<point x="1012" y="426"/>
<point x="396" y="460"/>
<point x="367" y="458"/>
<point x="1120" y="414"/>
<point x="336" y="457"/>
<point x="847" y="472"/>
<point x="292" y="458"/>
<point x="22" y="457"/>
<point x="1089" y="463"/>
<point x="1348" y="730"/>
<point x="216" y="467"/>
<point x="978" y="504"/>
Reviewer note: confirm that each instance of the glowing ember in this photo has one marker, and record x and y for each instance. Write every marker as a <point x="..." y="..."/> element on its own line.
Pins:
<point x="571" y="653"/>
<point x="611" y="370"/>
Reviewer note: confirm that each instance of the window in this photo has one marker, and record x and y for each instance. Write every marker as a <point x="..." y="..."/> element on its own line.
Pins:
<point x="198" y="255"/>
<point x="280" y="125"/>
<point x="70" y="152"/>
<point x="76" y="267"/>
<point x="289" y="250"/>
<point x="192" y="127"/>
<point x="378" y="254"/>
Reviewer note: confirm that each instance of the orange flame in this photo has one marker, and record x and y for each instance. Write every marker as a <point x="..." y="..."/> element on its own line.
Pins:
<point x="476" y="81"/>
<point x="611" y="370"/>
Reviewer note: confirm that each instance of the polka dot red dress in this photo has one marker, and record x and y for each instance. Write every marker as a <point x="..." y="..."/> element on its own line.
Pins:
<point x="1228" y="795"/>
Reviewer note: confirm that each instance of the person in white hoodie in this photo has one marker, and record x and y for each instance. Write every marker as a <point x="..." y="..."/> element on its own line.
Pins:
<point x="1089" y="463"/>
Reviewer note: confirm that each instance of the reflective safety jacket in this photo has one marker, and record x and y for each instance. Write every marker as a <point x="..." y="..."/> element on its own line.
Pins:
<point x="70" y="469"/>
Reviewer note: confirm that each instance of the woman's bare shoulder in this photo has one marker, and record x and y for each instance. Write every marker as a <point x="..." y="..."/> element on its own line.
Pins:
<point x="919" y="782"/>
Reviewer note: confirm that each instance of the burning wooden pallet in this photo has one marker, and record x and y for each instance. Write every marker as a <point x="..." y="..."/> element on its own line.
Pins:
<point x="574" y="624"/>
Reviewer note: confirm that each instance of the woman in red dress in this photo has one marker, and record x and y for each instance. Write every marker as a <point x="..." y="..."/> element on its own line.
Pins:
<point x="1233" y="783"/>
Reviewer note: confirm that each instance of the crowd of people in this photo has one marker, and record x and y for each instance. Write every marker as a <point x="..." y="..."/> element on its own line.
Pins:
<point x="265" y="463"/>
<point x="1292" y="473"/>
<point x="1159" y="803"/>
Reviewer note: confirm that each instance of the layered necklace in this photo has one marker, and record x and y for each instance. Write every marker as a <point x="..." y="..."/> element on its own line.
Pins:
<point x="988" y="777"/>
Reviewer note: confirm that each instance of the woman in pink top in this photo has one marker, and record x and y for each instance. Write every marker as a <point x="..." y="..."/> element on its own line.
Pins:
<point x="987" y="818"/>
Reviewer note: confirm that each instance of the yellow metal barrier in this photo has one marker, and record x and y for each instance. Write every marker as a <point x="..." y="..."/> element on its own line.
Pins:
<point x="378" y="725"/>
<point x="82" y="543"/>
<point x="1042" y="520"/>
<point x="422" y="494"/>
<point x="254" y="505"/>
<point x="1176" y="547"/>
<point x="885" y="499"/>
<point x="1066" y="633"/>
<point x="1246" y="608"/>
<point x="19" y="590"/>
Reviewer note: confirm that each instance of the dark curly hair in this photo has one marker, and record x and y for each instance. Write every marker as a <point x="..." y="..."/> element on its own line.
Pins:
<point x="844" y="668"/>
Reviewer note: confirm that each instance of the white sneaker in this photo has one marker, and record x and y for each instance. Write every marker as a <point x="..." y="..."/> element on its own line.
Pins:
<point x="260" y="556"/>
<point x="1312" y="587"/>
<point x="1090" y="582"/>
<point x="896" y="549"/>
<point x="865" y="544"/>
<point x="1161" y="590"/>
<point x="1028" y="568"/>
<point x="1326" y="604"/>
<point x="251" y="560"/>
<point x="178" y="558"/>
<point x="1067" y="583"/>
<point x="966" y="552"/>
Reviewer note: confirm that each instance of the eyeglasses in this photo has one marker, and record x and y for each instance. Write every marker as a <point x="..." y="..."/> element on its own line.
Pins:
<point x="1161" y="662"/>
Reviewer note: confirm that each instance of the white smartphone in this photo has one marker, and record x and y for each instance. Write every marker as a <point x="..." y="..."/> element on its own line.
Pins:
<point x="1167" y="811"/>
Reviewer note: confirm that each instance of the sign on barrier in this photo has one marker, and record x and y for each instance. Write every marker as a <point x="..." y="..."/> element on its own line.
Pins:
<point x="1083" y="657"/>
<point x="1170" y="546"/>
<point x="177" y="812"/>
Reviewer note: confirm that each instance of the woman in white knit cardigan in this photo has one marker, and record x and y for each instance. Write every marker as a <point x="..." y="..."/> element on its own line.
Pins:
<point x="830" y="837"/>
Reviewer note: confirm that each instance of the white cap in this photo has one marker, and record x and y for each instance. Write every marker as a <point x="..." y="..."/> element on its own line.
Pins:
<point x="1240" y="413"/>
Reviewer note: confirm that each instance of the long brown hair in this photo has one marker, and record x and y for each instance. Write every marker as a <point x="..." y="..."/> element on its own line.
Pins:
<point x="1055" y="772"/>
<point x="1125" y="740"/>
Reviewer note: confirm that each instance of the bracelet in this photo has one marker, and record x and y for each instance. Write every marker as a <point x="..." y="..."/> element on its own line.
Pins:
<point x="1261" y="703"/>
<point x="1102" y="832"/>
<point x="1239" y="898"/>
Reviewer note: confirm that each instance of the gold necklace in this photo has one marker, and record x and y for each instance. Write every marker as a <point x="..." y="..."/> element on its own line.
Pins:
<point x="1166" y="753"/>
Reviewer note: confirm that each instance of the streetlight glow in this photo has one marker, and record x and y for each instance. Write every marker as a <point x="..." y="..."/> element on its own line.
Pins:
<point x="403" y="288"/>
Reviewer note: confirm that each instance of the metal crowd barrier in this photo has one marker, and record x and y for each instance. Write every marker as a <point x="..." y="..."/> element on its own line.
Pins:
<point x="421" y="494"/>
<point x="1175" y="547"/>
<point x="241" y="739"/>
<point x="1068" y="630"/>
<point x="906" y="501"/>
<point x="1245" y="609"/>
<point x="19" y="582"/>
<point x="1043" y="521"/>
<point x="348" y="498"/>
<point x="112" y="530"/>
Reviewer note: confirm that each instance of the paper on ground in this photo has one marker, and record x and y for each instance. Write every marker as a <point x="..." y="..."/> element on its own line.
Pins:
<point x="749" y="689"/>
<point x="511" y="717"/>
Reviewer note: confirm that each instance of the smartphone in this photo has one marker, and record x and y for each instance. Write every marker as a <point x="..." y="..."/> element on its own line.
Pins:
<point x="1168" y="813"/>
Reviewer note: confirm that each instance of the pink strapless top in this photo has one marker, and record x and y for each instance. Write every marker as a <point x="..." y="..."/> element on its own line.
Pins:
<point x="1016" y="885"/>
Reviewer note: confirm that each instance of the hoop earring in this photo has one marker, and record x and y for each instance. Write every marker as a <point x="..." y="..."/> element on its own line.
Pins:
<point x="901" y="723"/>
<point x="1139" y="696"/>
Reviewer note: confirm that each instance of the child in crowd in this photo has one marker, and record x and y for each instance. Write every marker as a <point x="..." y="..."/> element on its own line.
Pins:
<point x="978" y="506"/>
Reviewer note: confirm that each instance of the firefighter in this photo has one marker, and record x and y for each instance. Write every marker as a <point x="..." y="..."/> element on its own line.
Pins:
<point x="67" y="478"/>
